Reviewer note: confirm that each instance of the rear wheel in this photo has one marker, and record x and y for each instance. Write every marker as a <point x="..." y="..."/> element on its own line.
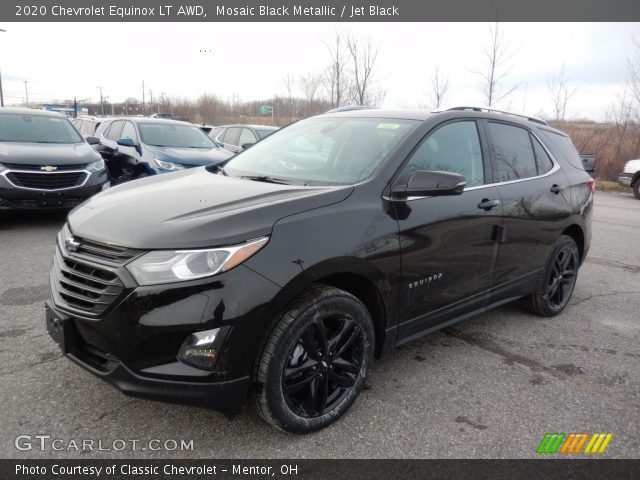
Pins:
<point x="636" y="189"/>
<point x="555" y="287"/>
<point x="315" y="362"/>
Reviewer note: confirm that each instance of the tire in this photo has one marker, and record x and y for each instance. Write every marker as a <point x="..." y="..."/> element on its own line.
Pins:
<point x="302" y="384"/>
<point x="555" y="286"/>
<point x="636" y="188"/>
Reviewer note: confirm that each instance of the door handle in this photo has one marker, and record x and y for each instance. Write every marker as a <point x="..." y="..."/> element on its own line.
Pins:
<point x="557" y="188"/>
<point x="487" y="204"/>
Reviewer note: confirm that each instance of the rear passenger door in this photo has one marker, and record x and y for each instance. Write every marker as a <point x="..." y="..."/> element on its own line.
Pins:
<point x="535" y="203"/>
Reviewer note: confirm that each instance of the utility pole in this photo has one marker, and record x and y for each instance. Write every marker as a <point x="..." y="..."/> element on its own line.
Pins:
<point x="1" y="93"/>
<point x="143" y="109"/>
<point x="151" y="99"/>
<point x="101" y="102"/>
<point x="26" y="91"/>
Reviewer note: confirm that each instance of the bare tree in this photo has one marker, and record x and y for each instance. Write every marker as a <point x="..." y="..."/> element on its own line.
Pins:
<point x="496" y="67"/>
<point x="289" y="81"/>
<point x="337" y="85"/>
<point x="310" y="86"/>
<point x="363" y="61"/>
<point x="561" y="93"/>
<point x="633" y="81"/>
<point x="439" y="88"/>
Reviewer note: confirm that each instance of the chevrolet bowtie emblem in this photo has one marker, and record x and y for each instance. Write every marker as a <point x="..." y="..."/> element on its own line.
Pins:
<point x="71" y="244"/>
<point x="49" y="168"/>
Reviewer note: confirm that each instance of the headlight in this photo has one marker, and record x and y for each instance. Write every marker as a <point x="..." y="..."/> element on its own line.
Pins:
<point x="168" y="165"/>
<point x="167" y="266"/>
<point x="96" y="166"/>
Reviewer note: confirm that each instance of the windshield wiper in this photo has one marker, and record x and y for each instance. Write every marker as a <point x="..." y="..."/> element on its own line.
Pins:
<point x="266" y="179"/>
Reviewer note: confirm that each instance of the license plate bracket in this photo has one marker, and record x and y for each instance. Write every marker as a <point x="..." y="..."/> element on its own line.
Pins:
<point x="59" y="328"/>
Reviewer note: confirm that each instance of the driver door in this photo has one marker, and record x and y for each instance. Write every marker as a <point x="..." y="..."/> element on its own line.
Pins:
<point x="448" y="243"/>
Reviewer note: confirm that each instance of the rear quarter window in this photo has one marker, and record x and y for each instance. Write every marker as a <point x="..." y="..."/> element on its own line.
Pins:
<point x="561" y="146"/>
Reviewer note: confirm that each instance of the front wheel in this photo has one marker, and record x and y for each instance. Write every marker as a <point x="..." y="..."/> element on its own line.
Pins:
<point x="556" y="284"/>
<point x="315" y="362"/>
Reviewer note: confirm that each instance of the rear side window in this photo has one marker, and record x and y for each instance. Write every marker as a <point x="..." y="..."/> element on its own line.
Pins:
<point x="455" y="147"/>
<point x="115" y="131"/>
<point x="513" y="158"/>
<point x="561" y="146"/>
<point x="543" y="162"/>
<point x="247" y="136"/>
<point x="215" y="133"/>
<point x="129" y="131"/>
<point x="232" y="135"/>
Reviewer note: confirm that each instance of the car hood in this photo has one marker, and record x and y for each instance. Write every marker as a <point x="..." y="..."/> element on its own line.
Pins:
<point x="190" y="156"/>
<point x="47" y="153"/>
<point x="193" y="208"/>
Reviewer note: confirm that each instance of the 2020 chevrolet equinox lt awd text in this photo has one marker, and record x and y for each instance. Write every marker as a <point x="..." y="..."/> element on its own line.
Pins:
<point x="280" y="275"/>
<point x="44" y="162"/>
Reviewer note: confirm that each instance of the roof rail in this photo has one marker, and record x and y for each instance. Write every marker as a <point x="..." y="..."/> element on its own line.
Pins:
<point x="494" y="110"/>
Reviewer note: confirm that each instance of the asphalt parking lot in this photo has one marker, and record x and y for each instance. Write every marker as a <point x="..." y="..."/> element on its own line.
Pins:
<point x="491" y="386"/>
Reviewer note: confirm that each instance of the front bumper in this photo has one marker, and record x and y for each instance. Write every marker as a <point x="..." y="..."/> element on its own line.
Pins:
<point x="624" y="179"/>
<point x="22" y="198"/>
<point x="134" y="342"/>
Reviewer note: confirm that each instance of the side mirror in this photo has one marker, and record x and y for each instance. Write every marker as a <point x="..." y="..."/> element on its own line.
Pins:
<point x="126" y="142"/>
<point x="93" y="140"/>
<point x="426" y="183"/>
<point x="247" y="145"/>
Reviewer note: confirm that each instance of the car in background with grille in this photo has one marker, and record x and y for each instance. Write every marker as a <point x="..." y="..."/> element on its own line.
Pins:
<point x="45" y="162"/>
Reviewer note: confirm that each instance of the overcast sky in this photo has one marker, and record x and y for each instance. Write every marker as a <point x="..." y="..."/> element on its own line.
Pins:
<point x="60" y="60"/>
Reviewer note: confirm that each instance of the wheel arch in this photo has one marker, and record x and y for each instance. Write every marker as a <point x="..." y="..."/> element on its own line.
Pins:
<point x="575" y="231"/>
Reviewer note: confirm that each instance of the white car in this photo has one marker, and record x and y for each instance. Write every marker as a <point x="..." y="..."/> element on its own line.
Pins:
<point x="630" y="176"/>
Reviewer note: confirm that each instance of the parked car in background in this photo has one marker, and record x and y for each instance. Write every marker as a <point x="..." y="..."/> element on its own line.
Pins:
<point x="236" y="138"/>
<point x="630" y="176"/>
<point x="135" y="147"/>
<point x="589" y="163"/>
<point x="205" y="128"/>
<point x="44" y="162"/>
<point x="87" y="126"/>
<point x="281" y="275"/>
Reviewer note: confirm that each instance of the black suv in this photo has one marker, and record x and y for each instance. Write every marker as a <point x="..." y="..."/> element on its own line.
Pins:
<point x="44" y="162"/>
<point x="281" y="275"/>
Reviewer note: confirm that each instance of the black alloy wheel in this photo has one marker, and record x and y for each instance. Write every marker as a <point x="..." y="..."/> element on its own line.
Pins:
<point x="315" y="362"/>
<point x="557" y="282"/>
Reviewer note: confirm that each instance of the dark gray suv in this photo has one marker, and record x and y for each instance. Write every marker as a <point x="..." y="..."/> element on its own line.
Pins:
<point x="44" y="162"/>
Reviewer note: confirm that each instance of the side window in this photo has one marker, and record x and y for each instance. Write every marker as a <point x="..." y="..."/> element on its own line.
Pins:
<point x="246" y="136"/>
<point x="129" y="131"/>
<point x="514" y="157"/>
<point x="455" y="147"/>
<point x="215" y="133"/>
<point x="115" y="130"/>
<point x="543" y="162"/>
<point x="232" y="135"/>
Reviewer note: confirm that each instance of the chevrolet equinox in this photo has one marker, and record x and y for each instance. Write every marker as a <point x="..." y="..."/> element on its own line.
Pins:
<point x="280" y="274"/>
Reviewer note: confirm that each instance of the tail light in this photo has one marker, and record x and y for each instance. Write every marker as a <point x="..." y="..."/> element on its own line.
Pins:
<point x="591" y="183"/>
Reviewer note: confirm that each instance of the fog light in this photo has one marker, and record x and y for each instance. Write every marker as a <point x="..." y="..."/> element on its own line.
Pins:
<point x="201" y="349"/>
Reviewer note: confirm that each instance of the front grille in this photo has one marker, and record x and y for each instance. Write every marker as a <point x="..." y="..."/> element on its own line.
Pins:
<point x="46" y="181"/>
<point x="37" y="168"/>
<point x="102" y="250"/>
<point x="83" y="286"/>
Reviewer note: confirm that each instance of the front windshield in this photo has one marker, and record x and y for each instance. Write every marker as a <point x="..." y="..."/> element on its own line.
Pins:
<point x="174" y="135"/>
<point x="28" y="128"/>
<point x="324" y="151"/>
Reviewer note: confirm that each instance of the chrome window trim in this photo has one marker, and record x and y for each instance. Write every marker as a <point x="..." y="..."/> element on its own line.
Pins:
<point x="86" y="179"/>
<point x="554" y="169"/>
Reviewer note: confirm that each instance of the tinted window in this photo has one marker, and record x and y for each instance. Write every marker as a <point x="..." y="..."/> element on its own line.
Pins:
<point x="115" y="131"/>
<point x="454" y="147"/>
<point x="247" y="136"/>
<point x="329" y="150"/>
<point x="264" y="133"/>
<point x="129" y="131"/>
<point x="232" y="135"/>
<point x="514" y="157"/>
<point x="543" y="161"/>
<point x="561" y="146"/>
<point x="18" y="127"/>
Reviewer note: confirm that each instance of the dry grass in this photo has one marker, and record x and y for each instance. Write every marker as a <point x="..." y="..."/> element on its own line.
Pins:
<point x="608" y="186"/>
